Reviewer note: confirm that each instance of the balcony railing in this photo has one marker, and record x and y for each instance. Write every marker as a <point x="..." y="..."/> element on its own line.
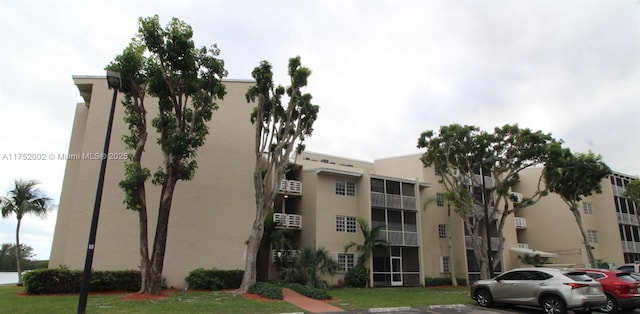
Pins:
<point x="393" y="201"/>
<point x="627" y="219"/>
<point x="284" y="256"/>
<point x="521" y="223"/>
<point x="290" y="187"/>
<point x="630" y="247"/>
<point x="288" y="221"/>
<point x="405" y="238"/>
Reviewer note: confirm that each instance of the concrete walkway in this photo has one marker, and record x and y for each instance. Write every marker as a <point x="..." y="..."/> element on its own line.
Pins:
<point x="308" y="304"/>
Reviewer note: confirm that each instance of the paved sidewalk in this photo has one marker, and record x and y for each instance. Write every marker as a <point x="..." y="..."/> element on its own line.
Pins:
<point x="309" y="304"/>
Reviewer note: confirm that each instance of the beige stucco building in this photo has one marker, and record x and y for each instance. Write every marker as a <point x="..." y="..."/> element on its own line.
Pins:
<point x="212" y="215"/>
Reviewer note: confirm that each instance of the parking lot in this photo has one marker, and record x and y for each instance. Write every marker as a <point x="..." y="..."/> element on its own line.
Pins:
<point x="461" y="309"/>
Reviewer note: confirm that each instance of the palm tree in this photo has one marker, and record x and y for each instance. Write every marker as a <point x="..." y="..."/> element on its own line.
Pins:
<point x="25" y="198"/>
<point x="370" y="243"/>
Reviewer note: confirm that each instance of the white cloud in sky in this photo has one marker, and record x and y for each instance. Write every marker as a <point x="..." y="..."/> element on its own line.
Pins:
<point x="383" y="71"/>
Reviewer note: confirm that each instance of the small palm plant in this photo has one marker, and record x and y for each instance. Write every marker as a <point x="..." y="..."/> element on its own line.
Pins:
<point x="372" y="240"/>
<point x="309" y="266"/>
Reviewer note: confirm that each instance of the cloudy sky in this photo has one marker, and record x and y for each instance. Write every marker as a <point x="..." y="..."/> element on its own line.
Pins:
<point x="383" y="72"/>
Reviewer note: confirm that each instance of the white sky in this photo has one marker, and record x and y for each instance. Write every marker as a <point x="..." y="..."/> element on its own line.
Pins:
<point x="383" y="72"/>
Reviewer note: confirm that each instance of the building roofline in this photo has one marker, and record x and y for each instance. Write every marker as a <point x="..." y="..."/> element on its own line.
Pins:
<point x="230" y="80"/>
<point x="337" y="171"/>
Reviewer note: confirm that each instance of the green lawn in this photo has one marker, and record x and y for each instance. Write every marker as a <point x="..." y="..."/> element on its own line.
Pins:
<point x="180" y="302"/>
<point x="11" y="301"/>
<point x="357" y="299"/>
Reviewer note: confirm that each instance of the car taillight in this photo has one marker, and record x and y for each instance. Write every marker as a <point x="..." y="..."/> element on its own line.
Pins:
<point x="576" y="285"/>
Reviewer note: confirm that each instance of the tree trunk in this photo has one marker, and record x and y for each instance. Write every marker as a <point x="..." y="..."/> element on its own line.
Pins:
<point x="587" y="246"/>
<point x="257" y="231"/>
<point x="18" y="252"/>
<point x="160" y="239"/>
<point x="144" y="246"/>
<point x="452" y="268"/>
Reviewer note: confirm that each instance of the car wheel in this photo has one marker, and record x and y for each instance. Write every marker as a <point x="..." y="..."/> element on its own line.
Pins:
<point x="611" y="306"/>
<point x="553" y="305"/>
<point x="484" y="298"/>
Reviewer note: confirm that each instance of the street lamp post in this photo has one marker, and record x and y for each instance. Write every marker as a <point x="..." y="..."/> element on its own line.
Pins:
<point x="487" y="223"/>
<point x="114" y="82"/>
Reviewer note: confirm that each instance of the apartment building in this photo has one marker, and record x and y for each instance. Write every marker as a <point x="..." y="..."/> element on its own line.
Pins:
<point x="319" y="201"/>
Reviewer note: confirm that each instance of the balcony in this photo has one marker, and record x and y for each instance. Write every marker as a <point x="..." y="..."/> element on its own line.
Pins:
<point x="288" y="221"/>
<point x="393" y="201"/>
<point x="627" y="219"/>
<point x="290" y="187"/>
<point x="284" y="256"/>
<point x="521" y="223"/>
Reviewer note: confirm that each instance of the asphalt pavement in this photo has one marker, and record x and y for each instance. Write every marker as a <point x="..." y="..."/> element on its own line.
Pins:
<point x="457" y="309"/>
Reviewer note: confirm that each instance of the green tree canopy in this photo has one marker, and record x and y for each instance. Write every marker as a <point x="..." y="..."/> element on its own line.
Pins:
<point x="574" y="177"/>
<point x="186" y="81"/>
<point x="465" y="157"/>
<point x="281" y="126"/>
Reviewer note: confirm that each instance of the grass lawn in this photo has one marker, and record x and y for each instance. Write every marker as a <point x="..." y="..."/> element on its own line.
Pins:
<point x="13" y="301"/>
<point x="362" y="298"/>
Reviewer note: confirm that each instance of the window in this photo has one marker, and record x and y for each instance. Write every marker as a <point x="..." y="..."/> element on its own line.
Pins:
<point x="345" y="224"/>
<point x="444" y="264"/>
<point x="442" y="231"/>
<point x="440" y="199"/>
<point x="592" y="236"/>
<point x="346" y="261"/>
<point x="588" y="208"/>
<point x="346" y="188"/>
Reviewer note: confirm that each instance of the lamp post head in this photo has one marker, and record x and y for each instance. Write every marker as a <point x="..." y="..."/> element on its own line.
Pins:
<point x="113" y="80"/>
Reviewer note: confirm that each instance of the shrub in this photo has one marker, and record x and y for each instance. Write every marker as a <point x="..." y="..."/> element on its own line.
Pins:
<point x="443" y="281"/>
<point x="63" y="280"/>
<point x="267" y="290"/>
<point x="309" y="291"/>
<point x="214" y="279"/>
<point x="357" y="277"/>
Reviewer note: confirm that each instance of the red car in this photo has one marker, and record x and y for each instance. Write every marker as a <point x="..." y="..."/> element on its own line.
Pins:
<point x="622" y="290"/>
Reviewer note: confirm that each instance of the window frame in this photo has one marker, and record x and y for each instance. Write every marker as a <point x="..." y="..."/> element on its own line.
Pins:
<point x="346" y="224"/>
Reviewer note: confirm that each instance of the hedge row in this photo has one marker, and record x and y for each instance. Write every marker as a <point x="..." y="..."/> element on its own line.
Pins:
<point x="214" y="279"/>
<point x="47" y="281"/>
<point x="309" y="291"/>
<point x="267" y="290"/>
<point x="442" y="281"/>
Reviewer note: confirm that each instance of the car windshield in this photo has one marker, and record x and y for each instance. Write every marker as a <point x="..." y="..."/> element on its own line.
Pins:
<point x="578" y="276"/>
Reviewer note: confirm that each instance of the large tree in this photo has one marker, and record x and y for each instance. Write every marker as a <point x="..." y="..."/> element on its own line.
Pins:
<point x="464" y="155"/>
<point x="281" y="127"/>
<point x="186" y="81"/>
<point x="574" y="177"/>
<point x="25" y="198"/>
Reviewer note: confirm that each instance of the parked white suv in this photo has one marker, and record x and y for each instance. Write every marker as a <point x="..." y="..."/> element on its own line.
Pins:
<point x="629" y="268"/>
<point x="553" y="290"/>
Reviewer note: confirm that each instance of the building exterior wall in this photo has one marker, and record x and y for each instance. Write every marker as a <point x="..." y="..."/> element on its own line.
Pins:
<point x="212" y="215"/>
<point x="551" y="226"/>
<point x="216" y="195"/>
